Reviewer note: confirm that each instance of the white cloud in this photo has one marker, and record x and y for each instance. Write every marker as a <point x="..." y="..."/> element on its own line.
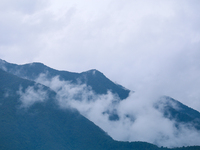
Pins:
<point x="31" y="95"/>
<point x="145" y="122"/>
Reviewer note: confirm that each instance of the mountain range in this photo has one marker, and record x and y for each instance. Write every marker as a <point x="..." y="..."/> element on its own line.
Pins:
<point x="31" y="116"/>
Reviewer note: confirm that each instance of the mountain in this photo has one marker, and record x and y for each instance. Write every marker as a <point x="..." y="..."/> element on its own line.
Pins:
<point x="174" y="110"/>
<point x="100" y="84"/>
<point x="40" y="123"/>
<point x="45" y="126"/>
<point x="93" y="78"/>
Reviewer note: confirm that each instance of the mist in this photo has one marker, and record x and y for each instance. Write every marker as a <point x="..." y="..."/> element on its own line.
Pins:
<point x="31" y="95"/>
<point x="139" y="120"/>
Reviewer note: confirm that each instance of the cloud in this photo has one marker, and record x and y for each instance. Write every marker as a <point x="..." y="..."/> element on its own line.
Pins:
<point x="31" y="95"/>
<point x="150" y="125"/>
<point x="139" y="120"/>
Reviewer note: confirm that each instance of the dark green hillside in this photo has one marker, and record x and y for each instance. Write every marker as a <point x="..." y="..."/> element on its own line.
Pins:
<point x="174" y="110"/>
<point x="10" y="81"/>
<point x="44" y="126"/>
<point x="93" y="78"/>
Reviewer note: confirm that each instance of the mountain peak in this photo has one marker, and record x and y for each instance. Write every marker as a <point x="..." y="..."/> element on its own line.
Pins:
<point x="93" y="78"/>
<point x="93" y="72"/>
<point x="36" y="63"/>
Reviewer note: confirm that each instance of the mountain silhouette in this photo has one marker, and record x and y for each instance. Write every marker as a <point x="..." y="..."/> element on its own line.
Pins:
<point x="93" y="78"/>
<point x="44" y="125"/>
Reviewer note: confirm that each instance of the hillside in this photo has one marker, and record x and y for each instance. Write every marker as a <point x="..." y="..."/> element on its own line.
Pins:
<point x="32" y="118"/>
<point x="93" y="78"/>
<point x="43" y="125"/>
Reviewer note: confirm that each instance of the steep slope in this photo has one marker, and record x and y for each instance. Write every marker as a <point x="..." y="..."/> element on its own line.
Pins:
<point x="93" y="78"/>
<point x="174" y="110"/>
<point x="45" y="126"/>
<point x="170" y="108"/>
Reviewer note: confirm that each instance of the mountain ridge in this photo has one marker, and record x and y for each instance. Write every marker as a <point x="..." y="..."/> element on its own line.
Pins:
<point x="100" y="86"/>
<point x="45" y="126"/>
<point x="91" y="77"/>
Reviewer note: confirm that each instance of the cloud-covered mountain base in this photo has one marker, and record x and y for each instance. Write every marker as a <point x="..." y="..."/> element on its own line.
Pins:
<point x="128" y="116"/>
<point x="39" y="124"/>
<point x="136" y="117"/>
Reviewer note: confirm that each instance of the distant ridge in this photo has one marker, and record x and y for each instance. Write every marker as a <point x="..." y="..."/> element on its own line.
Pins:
<point x="45" y="126"/>
<point x="98" y="81"/>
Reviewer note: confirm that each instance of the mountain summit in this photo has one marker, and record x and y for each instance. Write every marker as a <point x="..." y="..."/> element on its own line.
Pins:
<point x="44" y="126"/>
<point x="99" y="83"/>
<point x="48" y="116"/>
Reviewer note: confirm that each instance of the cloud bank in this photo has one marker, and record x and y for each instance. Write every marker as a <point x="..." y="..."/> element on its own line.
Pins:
<point x="139" y="120"/>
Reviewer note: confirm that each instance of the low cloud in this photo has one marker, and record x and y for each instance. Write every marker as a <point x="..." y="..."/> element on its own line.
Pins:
<point x="150" y="125"/>
<point x="31" y="95"/>
<point x="139" y="120"/>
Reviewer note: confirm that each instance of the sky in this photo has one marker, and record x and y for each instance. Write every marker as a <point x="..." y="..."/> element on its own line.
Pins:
<point x="149" y="46"/>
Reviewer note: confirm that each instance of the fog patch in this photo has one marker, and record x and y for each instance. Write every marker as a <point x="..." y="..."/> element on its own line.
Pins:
<point x="77" y="95"/>
<point x="31" y="95"/>
<point x="7" y="93"/>
<point x="139" y="119"/>
<point x="150" y="125"/>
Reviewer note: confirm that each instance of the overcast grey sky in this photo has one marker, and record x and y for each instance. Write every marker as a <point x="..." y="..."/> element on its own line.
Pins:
<point x="152" y="46"/>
